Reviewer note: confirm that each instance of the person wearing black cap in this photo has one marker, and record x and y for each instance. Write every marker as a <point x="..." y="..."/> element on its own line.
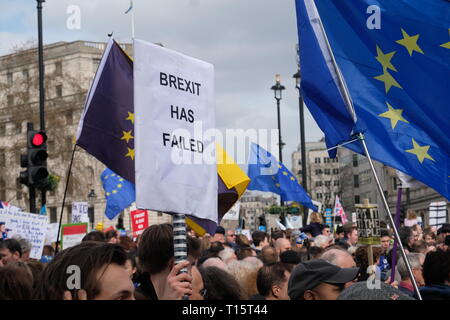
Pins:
<point x="319" y="280"/>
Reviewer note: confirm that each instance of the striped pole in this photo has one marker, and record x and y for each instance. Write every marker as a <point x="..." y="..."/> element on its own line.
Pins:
<point x="179" y="242"/>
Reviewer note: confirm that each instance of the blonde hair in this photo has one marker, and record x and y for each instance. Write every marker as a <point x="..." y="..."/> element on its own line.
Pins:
<point x="411" y="214"/>
<point x="316" y="217"/>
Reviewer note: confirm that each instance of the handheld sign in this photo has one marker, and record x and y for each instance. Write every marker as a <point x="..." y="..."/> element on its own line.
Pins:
<point x="176" y="167"/>
<point x="30" y="226"/>
<point x="368" y="223"/>
<point x="139" y="221"/>
<point x="72" y="234"/>
<point x="80" y="212"/>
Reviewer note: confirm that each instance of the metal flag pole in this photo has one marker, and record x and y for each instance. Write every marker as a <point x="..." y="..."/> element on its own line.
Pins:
<point x="349" y="104"/>
<point x="179" y="241"/>
<point x="397" y="223"/>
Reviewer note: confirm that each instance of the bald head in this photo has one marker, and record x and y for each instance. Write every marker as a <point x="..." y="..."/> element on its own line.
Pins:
<point x="282" y="245"/>
<point x="340" y="258"/>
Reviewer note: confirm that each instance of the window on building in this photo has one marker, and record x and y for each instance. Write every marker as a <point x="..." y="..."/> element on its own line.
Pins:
<point x="318" y="171"/>
<point x="356" y="181"/>
<point x="53" y="215"/>
<point x="58" y="68"/>
<point x="357" y="199"/>
<point x="299" y="162"/>
<point x="26" y="75"/>
<point x="316" y="160"/>
<point x="355" y="160"/>
<point x="328" y="183"/>
<point x="318" y="183"/>
<point x="327" y="171"/>
<point x="69" y="213"/>
<point x="299" y="172"/>
<point x="59" y="91"/>
<point x="326" y="160"/>
<point x="95" y="64"/>
<point x="18" y="127"/>
<point x="328" y="195"/>
<point x="9" y="78"/>
<point x="10" y="99"/>
<point x="335" y="160"/>
<point x="336" y="183"/>
<point x="2" y="129"/>
<point x="318" y="196"/>
<point x="69" y="118"/>
<point x="2" y="159"/>
<point x="335" y="171"/>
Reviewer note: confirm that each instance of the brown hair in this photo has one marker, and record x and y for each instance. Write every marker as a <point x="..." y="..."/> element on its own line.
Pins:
<point x="244" y="252"/>
<point x="242" y="241"/>
<point x="316" y="217"/>
<point x="90" y="257"/>
<point x="411" y="214"/>
<point x="16" y="282"/>
<point x="127" y="243"/>
<point x="269" y="255"/>
<point x="156" y="248"/>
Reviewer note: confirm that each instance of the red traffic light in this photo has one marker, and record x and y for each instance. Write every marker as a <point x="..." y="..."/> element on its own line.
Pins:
<point x="38" y="139"/>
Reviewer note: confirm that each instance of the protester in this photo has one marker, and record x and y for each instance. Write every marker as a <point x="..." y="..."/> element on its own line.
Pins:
<point x="112" y="236"/>
<point x="290" y="259"/>
<point x="319" y="280"/>
<point x="215" y="262"/>
<point x="220" y="285"/>
<point x="269" y="255"/>
<point x="416" y="261"/>
<point x="198" y="288"/>
<point x="366" y="291"/>
<point x="16" y="282"/>
<point x="130" y="264"/>
<point x="339" y="233"/>
<point x="385" y="241"/>
<point x="420" y="246"/>
<point x="219" y="236"/>
<point x="350" y="238"/>
<point x="161" y="280"/>
<point x="227" y="255"/>
<point x="25" y="247"/>
<point x="260" y="240"/>
<point x="436" y="273"/>
<point x="245" y="252"/>
<point x="245" y="272"/>
<point x="362" y="261"/>
<point x="322" y="241"/>
<point x="10" y="250"/>
<point x="326" y="231"/>
<point x="282" y="245"/>
<point x="407" y="238"/>
<point x="316" y="225"/>
<point x="417" y="232"/>
<point x="315" y="252"/>
<point x="127" y="243"/>
<point x="36" y="268"/>
<point x="411" y="218"/>
<point x="277" y="235"/>
<point x="241" y="241"/>
<point x="94" y="235"/>
<point x="429" y="236"/>
<point x="100" y="268"/>
<point x="272" y="282"/>
<point x="231" y="236"/>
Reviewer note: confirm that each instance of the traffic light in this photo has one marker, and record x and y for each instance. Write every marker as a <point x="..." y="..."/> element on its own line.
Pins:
<point x="35" y="160"/>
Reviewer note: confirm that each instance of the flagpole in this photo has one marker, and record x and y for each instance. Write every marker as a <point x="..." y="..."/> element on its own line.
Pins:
<point x="132" y="24"/>
<point x="360" y="136"/>
<point x="180" y="242"/>
<point x="397" y="223"/>
<point x="64" y="198"/>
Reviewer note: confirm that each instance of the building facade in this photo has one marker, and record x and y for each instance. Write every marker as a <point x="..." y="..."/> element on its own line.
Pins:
<point x="69" y="71"/>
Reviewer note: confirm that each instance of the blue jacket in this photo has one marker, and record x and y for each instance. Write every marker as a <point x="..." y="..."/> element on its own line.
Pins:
<point x="436" y="292"/>
<point x="314" y="228"/>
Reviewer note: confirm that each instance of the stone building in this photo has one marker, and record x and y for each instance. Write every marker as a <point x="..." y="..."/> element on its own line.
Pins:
<point x="69" y="70"/>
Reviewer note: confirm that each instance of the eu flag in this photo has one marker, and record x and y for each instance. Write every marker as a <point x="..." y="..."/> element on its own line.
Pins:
<point x="119" y="193"/>
<point x="106" y="126"/>
<point x="267" y="174"/>
<point x="394" y="57"/>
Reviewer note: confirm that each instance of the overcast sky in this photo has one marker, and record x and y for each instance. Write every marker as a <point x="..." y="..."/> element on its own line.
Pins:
<point x="248" y="41"/>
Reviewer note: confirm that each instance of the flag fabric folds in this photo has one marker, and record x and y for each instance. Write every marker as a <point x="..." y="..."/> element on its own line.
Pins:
<point x="339" y="211"/>
<point x="106" y="126"/>
<point x="119" y="193"/>
<point x="130" y="8"/>
<point x="397" y="77"/>
<point x="267" y="174"/>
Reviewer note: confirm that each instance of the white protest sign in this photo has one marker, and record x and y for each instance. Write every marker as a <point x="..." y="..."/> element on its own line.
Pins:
<point x="233" y="213"/>
<point x="30" y="226"/>
<point x="438" y="213"/>
<point x="80" y="212"/>
<point x="296" y="222"/>
<point x="174" y="108"/>
<point x="52" y="233"/>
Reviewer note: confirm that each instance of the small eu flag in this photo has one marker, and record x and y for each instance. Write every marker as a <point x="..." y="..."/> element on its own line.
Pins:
<point x="119" y="193"/>
<point x="267" y="174"/>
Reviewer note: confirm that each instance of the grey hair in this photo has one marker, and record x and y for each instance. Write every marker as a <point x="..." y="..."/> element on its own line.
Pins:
<point x="332" y="256"/>
<point x="414" y="261"/>
<point x="320" y="240"/>
<point x="226" y="254"/>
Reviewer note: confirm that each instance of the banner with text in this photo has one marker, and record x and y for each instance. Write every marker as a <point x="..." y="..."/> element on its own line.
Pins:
<point x="30" y="226"/>
<point x="80" y="212"/>
<point x="139" y="221"/>
<point x="176" y="170"/>
<point x="72" y="234"/>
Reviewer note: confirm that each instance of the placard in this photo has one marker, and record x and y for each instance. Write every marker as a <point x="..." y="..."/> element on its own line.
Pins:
<point x="329" y="217"/>
<point x="437" y="214"/>
<point x="139" y="221"/>
<point x="176" y="169"/>
<point x="80" y="212"/>
<point x="72" y="234"/>
<point x="30" y="226"/>
<point x="368" y="223"/>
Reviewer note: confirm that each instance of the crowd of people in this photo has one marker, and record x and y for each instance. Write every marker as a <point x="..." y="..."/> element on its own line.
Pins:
<point x="313" y="263"/>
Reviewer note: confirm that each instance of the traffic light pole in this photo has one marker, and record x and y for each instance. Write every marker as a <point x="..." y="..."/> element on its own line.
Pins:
<point x="32" y="190"/>
<point x="41" y="88"/>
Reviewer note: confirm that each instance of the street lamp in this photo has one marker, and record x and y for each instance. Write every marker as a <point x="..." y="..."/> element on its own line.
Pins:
<point x="278" y="91"/>
<point x="91" y="203"/>
<point x="297" y="77"/>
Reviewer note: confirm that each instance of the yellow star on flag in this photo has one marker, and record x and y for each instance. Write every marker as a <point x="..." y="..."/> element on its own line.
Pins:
<point x="130" y="153"/>
<point x="420" y="151"/>
<point x="395" y="115"/>
<point x="127" y="136"/>
<point x="114" y="191"/>
<point x="292" y="178"/>
<point x="119" y="186"/>
<point x="108" y="194"/>
<point x="388" y="80"/>
<point x="278" y="185"/>
<point x="285" y="173"/>
<point x="410" y="43"/>
<point x="130" y="117"/>
<point x="280" y="167"/>
<point x="446" y="45"/>
<point x="385" y="59"/>
<point x="273" y="178"/>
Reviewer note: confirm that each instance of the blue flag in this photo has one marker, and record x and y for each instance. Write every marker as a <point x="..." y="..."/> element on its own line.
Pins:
<point x="119" y="193"/>
<point x="267" y="174"/>
<point x="106" y="126"/>
<point x="395" y="61"/>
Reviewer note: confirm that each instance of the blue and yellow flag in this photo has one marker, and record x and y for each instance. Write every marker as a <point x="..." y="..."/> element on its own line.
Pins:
<point x="119" y="193"/>
<point x="267" y="174"/>
<point x="394" y="57"/>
